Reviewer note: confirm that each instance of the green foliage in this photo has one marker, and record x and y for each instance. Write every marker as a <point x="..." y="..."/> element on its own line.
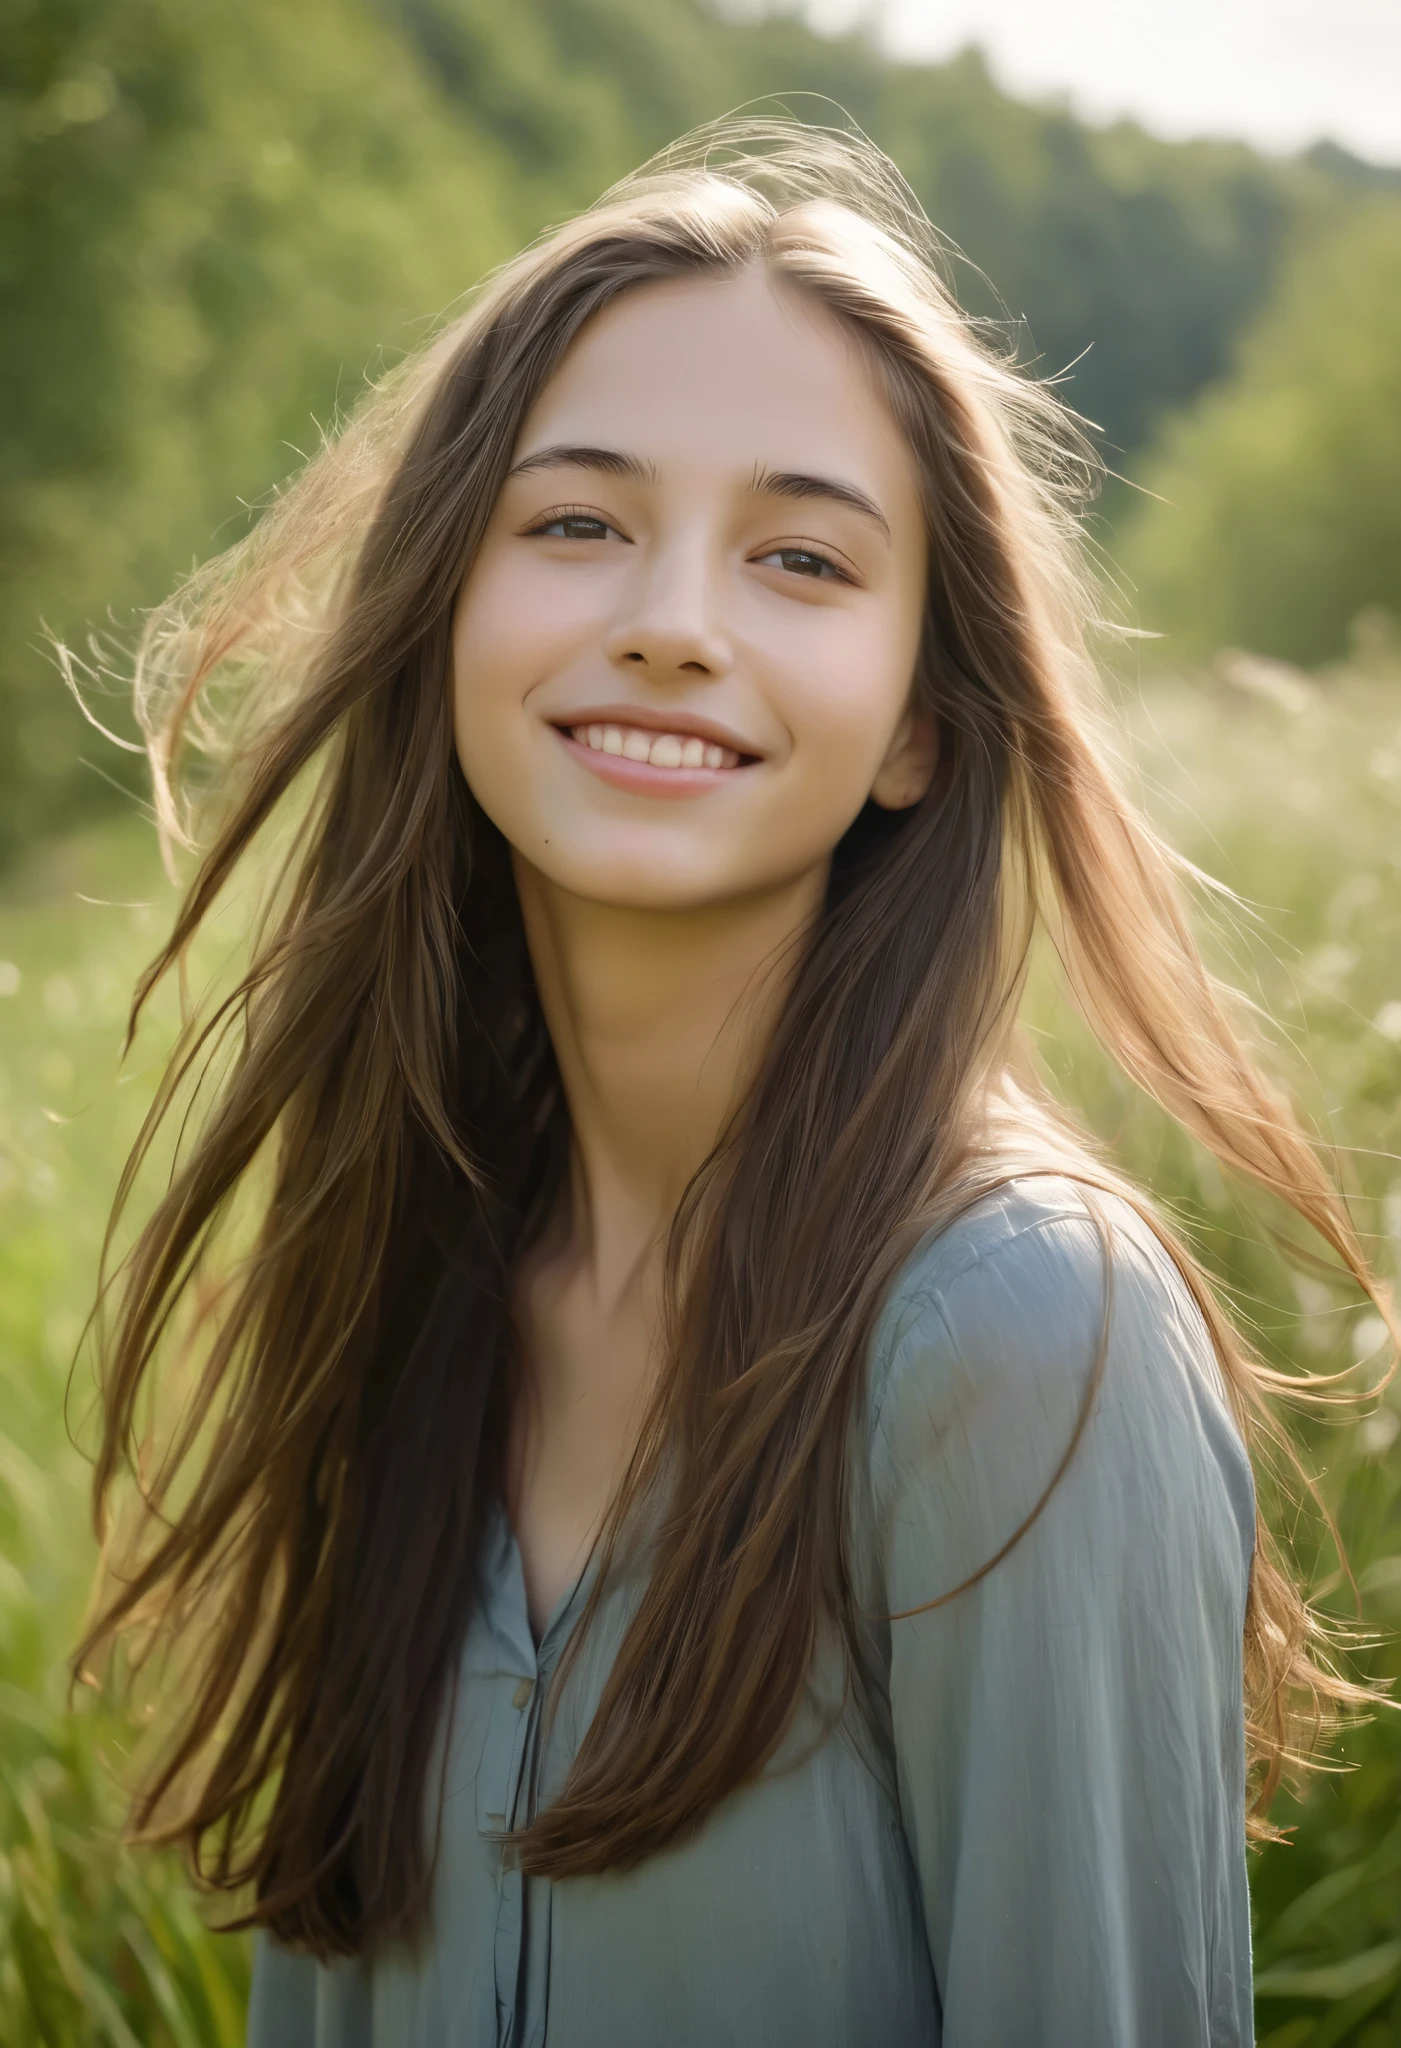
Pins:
<point x="210" y="221"/>
<point x="1280" y="513"/>
<point x="99" y="1948"/>
<point x="1286" y="787"/>
<point x="1144" y="254"/>
<point x="96" y="1945"/>
<point x="214" y="219"/>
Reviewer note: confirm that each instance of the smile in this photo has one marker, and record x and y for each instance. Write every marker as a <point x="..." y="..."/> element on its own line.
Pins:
<point x="653" y="763"/>
<point x="668" y="750"/>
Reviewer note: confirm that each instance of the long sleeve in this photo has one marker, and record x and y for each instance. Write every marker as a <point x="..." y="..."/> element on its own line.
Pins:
<point x="1069" y="1732"/>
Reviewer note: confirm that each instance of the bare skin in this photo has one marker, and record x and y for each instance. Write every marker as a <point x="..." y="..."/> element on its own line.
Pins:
<point x="698" y="590"/>
<point x="653" y="1034"/>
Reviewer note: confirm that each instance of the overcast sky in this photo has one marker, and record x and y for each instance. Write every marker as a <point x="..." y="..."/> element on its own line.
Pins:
<point x="1281" y="73"/>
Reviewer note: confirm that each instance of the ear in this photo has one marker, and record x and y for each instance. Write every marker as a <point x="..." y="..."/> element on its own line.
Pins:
<point x="906" y="772"/>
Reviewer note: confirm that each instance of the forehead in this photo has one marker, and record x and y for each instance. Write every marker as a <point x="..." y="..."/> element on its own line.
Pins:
<point x="725" y="373"/>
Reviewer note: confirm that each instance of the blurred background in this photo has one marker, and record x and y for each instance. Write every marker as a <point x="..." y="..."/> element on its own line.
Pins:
<point x="216" y="219"/>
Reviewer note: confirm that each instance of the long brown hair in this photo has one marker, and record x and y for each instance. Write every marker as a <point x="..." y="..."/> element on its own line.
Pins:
<point x="384" y="1131"/>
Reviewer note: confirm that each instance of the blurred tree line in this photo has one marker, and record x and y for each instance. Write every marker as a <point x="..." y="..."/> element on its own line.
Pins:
<point x="215" y="220"/>
<point x="1277" y="524"/>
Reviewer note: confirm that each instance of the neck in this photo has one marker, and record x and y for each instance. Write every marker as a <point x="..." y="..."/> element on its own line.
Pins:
<point x="659" y="1020"/>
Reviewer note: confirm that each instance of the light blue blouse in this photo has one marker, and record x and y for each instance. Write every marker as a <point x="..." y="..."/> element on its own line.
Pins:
<point x="1038" y="1842"/>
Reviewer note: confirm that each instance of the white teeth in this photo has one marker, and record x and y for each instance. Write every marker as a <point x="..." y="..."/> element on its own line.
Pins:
<point x="660" y="750"/>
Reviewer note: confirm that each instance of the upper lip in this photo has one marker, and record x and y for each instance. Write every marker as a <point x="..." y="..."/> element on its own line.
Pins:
<point x="650" y="718"/>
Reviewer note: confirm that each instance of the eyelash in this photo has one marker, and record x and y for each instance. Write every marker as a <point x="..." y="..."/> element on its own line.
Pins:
<point x="814" y="554"/>
<point x="560" y="513"/>
<point x="563" y="512"/>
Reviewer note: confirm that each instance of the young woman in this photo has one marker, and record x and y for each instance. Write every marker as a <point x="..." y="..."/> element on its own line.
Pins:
<point x="704" y="1512"/>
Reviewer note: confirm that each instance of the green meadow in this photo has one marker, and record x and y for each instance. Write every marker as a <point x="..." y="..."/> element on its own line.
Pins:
<point x="95" y="1945"/>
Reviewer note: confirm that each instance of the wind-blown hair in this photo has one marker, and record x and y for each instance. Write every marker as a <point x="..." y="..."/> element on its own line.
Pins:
<point x="384" y="1133"/>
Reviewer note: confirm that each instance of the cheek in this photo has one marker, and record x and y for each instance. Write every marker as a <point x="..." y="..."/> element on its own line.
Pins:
<point x="515" y="627"/>
<point x="848" y="696"/>
<point x="489" y="678"/>
<point x="498" y="650"/>
<point x="490" y="636"/>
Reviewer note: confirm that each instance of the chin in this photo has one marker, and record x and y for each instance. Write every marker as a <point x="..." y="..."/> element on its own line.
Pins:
<point x="648" y="886"/>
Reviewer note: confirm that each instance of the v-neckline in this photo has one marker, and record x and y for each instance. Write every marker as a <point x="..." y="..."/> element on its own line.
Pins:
<point x="519" y="1596"/>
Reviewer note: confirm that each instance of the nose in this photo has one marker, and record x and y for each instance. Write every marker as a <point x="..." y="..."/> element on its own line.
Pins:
<point x="669" y="625"/>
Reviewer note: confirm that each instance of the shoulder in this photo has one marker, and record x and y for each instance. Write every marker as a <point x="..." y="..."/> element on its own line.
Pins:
<point x="995" y="1326"/>
<point x="1033" y="1256"/>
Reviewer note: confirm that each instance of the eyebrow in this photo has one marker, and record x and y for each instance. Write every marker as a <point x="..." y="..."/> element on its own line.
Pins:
<point x="612" y="461"/>
<point x="782" y="483"/>
<point x="795" y="483"/>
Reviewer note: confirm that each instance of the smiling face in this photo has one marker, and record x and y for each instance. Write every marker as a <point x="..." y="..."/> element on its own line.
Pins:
<point x="683" y="656"/>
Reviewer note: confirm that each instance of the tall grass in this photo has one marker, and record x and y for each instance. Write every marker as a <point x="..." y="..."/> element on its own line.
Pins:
<point x="97" y="1946"/>
<point x="1285" y="787"/>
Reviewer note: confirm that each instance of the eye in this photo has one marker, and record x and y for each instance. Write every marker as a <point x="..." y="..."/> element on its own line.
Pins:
<point x="805" y="562"/>
<point x="573" y="523"/>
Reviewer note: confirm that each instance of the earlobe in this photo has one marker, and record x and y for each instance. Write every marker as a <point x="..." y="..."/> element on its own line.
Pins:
<point x="905" y="774"/>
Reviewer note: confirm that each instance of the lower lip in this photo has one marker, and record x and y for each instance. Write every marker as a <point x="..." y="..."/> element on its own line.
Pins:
<point x="641" y="777"/>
